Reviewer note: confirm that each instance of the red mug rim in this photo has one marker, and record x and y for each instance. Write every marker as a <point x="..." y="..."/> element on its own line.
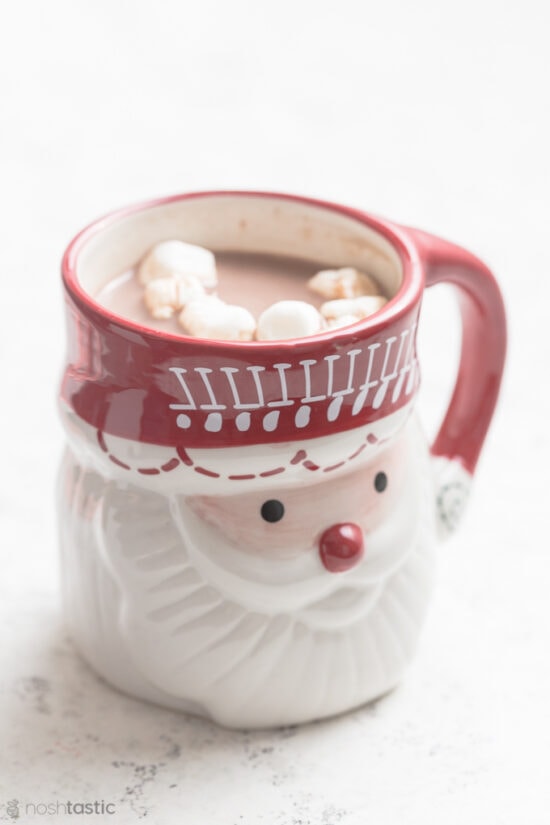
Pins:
<point x="406" y="296"/>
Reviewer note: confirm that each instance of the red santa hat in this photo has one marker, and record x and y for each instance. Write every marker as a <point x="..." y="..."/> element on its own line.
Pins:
<point x="178" y="391"/>
<point x="161" y="393"/>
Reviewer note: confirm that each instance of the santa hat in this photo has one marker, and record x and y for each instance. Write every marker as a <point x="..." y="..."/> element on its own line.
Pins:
<point x="189" y="400"/>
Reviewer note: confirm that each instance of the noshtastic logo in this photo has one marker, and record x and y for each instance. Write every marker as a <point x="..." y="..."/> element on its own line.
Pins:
<point x="15" y="809"/>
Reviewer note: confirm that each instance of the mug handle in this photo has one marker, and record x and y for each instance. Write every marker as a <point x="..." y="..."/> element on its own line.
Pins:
<point x="458" y="443"/>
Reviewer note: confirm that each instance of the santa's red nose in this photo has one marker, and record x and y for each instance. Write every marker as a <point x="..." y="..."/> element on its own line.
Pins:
<point x="341" y="547"/>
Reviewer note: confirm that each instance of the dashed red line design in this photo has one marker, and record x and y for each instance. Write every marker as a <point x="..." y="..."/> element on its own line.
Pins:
<point x="204" y="472"/>
<point x="183" y="455"/>
<point x="120" y="463"/>
<point x="335" y="466"/>
<point x="170" y="465"/>
<point x="148" y="471"/>
<point x="299" y="458"/>
<point x="274" y="472"/>
<point x="357" y="452"/>
<point x="101" y="441"/>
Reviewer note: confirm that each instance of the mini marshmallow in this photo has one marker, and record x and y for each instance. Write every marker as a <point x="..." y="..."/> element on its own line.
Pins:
<point x="176" y="258"/>
<point x="288" y="319"/>
<point x="342" y="321"/>
<point x="358" y="307"/>
<point x="342" y="283"/>
<point x="210" y="317"/>
<point x="164" y="296"/>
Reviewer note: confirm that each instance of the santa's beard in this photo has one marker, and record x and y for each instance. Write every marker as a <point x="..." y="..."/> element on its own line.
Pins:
<point x="250" y="652"/>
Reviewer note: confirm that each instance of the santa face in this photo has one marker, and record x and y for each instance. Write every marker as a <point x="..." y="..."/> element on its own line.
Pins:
<point x="269" y="606"/>
<point x="293" y="548"/>
<point x="282" y="523"/>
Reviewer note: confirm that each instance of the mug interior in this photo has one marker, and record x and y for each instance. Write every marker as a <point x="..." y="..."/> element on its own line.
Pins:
<point x="239" y="222"/>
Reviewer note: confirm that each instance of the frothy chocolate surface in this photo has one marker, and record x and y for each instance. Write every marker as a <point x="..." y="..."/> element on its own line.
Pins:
<point x="254" y="281"/>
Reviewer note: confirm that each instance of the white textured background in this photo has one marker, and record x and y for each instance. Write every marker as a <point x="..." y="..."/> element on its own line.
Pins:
<point x="432" y="113"/>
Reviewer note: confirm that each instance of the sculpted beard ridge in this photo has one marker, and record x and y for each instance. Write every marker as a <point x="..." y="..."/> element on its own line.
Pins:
<point x="224" y="654"/>
<point x="186" y="638"/>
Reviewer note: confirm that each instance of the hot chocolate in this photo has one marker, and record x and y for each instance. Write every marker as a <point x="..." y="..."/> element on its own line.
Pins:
<point x="251" y="280"/>
<point x="241" y="296"/>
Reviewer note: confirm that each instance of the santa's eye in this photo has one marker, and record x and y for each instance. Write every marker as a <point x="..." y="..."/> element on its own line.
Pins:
<point x="380" y="482"/>
<point x="272" y="510"/>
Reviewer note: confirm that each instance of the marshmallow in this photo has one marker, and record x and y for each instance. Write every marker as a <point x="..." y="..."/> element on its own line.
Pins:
<point x="342" y="283"/>
<point x="342" y="321"/>
<point x="358" y="307"/>
<point x="288" y="319"/>
<point x="176" y="258"/>
<point x="164" y="296"/>
<point x="210" y="317"/>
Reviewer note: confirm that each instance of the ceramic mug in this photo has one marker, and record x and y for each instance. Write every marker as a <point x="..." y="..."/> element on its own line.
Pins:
<point x="248" y="528"/>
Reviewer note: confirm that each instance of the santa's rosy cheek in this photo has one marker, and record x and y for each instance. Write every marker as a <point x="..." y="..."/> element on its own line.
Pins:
<point x="248" y="523"/>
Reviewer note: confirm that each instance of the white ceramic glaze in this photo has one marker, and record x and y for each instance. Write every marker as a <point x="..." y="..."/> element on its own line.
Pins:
<point x="179" y="596"/>
<point x="175" y="588"/>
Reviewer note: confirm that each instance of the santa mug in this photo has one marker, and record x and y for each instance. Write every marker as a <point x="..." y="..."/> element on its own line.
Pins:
<point x="248" y="528"/>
